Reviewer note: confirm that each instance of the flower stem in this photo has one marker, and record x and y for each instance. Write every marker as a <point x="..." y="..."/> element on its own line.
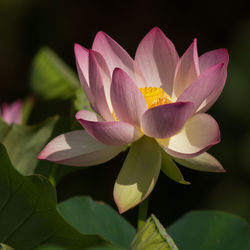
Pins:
<point x="142" y="213"/>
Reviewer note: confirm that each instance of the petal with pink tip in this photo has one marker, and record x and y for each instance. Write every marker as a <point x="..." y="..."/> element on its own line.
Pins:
<point x="157" y="58"/>
<point x="116" y="57"/>
<point x="97" y="88"/>
<point x="211" y="99"/>
<point x="110" y="133"/>
<point x="203" y="86"/>
<point x="127" y="100"/>
<point x="211" y="58"/>
<point x="82" y="64"/>
<point x="204" y="162"/>
<point x="138" y="175"/>
<point x="200" y="133"/>
<point x="166" y="120"/>
<point x="78" y="148"/>
<point x="187" y="69"/>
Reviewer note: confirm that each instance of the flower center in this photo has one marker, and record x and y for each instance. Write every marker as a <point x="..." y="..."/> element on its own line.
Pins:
<point x="155" y="96"/>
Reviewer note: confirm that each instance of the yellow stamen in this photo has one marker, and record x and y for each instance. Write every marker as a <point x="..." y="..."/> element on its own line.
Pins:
<point x="155" y="96"/>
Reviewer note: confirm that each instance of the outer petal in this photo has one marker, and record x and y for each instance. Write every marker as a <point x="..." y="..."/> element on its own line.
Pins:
<point x="203" y="85"/>
<point x="200" y="132"/>
<point x="157" y="58"/>
<point x="211" y="58"/>
<point x="138" y="175"/>
<point x="117" y="57"/>
<point x="207" y="60"/>
<point x="204" y="162"/>
<point x="82" y="63"/>
<point x="127" y="100"/>
<point x="109" y="133"/>
<point x="78" y="148"/>
<point x="187" y="69"/>
<point x="166" y="120"/>
<point x="169" y="168"/>
<point x="97" y="88"/>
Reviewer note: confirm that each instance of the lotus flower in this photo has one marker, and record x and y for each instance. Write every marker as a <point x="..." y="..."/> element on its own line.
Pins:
<point x="12" y="113"/>
<point x="155" y="102"/>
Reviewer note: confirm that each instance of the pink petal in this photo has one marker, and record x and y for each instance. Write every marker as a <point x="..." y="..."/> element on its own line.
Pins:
<point x="116" y="57"/>
<point x="157" y="58"/>
<point x="127" y="100"/>
<point x="82" y="63"/>
<point x="187" y="69"/>
<point x="200" y="133"/>
<point x="166" y="120"/>
<point x="212" y="58"/>
<point x="12" y="113"/>
<point x="211" y="99"/>
<point x="203" y="85"/>
<point x="97" y="88"/>
<point x="110" y="133"/>
<point x="78" y="148"/>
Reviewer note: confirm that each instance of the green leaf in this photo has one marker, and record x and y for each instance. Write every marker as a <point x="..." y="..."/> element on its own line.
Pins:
<point x="24" y="143"/>
<point x="90" y="217"/>
<point x="208" y="230"/>
<point x="51" y="78"/>
<point x="4" y="129"/>
<point x="170" y="169"/>
<point x="152" y="235"/>
<point x="28" y="215"/>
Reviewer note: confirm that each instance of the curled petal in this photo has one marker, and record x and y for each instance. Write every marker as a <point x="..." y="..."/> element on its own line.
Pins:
<point x="138" y="175"/>
<point x="127" y="100"/>
<point x="109" y="133"/>
<point x="78" y="148"/>
<point x="200" y="133"/>
<point x="203" y="85"/>
<point x="157" y="58"/>
<point x="204" y="162"/>
<point x="212" y="58"/>
<point x="117" y="57"/>
<point x="166" y="120"/>
<point x="187" y="69"/>
<point x="97" y="88"/>
<point x="82" y="64"/>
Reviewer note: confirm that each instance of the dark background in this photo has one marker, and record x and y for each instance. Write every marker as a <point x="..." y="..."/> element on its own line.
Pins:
<point x="27" y="25"/>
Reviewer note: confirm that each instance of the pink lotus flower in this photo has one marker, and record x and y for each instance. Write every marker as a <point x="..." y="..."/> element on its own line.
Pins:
<point x="12" y="113"/>
<point x="156" y="103"/>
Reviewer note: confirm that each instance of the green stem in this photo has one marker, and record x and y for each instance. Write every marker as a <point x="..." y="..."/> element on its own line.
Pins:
<point x="142" y="213"/>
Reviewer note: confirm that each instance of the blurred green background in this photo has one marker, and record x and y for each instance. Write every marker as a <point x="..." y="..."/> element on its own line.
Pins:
<point x="27" y="25"/>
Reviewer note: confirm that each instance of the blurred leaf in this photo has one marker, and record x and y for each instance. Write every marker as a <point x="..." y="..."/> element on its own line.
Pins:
<point x="51" y="78"/>
<point x="5" y="247"/>
<point x="4" y="128"/>
<point x="26" y="109"/>
<point x="90" y="217"/>
<point x="152" y="235"/>
<point x="208" y="230"/>
<point x="24" y="143"/>
<point x="28" y="216"/>
<point x="80" y="100"/>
